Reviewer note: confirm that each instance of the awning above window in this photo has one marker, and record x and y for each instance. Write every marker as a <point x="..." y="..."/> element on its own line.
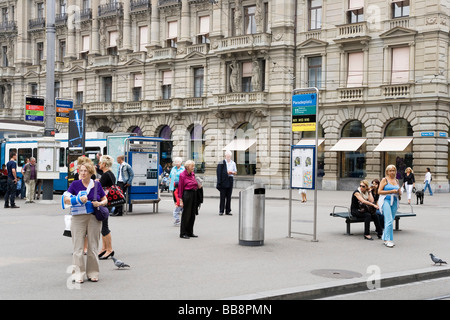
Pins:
<point x="393" y="144"/>
<point x="348" y="144"/>
<point x="240" y="144"/>
<point x="310" y="142"/>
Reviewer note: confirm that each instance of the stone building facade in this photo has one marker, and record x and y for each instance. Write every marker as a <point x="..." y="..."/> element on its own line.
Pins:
<point x="215" y="75"/>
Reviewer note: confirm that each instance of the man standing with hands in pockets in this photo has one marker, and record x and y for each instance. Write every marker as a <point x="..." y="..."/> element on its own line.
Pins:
<point x="226" y="170"/>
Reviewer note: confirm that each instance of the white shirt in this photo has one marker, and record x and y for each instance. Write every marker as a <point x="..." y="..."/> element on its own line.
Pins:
<point x="428" y="177"/>
<point x="120" y="177"/>
<point x="231" y="166"/>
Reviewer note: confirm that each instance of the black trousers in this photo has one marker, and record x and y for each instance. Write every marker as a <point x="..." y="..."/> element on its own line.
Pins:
<point x="190" y="210"/>
<point x="225" y="198"/>
<point x="10" y="195"/>
<point x="367" y="218"/>
<point x="123" y="186"/>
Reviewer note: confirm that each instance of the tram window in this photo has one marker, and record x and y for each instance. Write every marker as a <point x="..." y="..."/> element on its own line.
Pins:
<point x="23" y="155"/>
<point x="62" y="157"/>
<point x="35" y="153"/>
<point x="91" y="153"/>
<point x="10" y="153"/>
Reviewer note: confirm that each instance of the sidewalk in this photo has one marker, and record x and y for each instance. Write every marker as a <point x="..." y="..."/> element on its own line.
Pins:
<point x="34" y="255"/>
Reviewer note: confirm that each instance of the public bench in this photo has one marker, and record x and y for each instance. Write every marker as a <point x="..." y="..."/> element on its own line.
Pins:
<point x="349" y="219"/>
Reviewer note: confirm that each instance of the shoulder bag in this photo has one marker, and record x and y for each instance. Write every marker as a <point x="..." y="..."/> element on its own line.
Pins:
<point x="101" y="212"/>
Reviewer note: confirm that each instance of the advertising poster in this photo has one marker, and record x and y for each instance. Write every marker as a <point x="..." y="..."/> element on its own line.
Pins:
<point x="77" y="129"/>
<point x="34" y="109"/>
<point x="303" y="167"/>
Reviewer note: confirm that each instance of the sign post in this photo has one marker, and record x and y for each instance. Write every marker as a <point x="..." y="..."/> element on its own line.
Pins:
<point x="303" y="159"/>
<point x="34" y="109"/>
<point x="63" y="107"/>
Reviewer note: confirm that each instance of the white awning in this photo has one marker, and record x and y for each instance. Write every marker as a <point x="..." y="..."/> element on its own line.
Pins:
<point x="309" y="142"/>
<point x="240" y="144"/>
<point x="393" y="144"/>
<point x="348" y="144"/>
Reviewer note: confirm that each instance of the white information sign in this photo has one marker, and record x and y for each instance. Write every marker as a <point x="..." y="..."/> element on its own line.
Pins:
<point x="302" y="167"/>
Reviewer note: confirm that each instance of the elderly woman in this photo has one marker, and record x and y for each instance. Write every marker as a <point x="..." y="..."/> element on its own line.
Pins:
<point x="107" y="180"/>
<point x="175" y="173"/>
<point x="84" y="195"/>
<point x="389" y="191"/>
<point x="187" y="192"/>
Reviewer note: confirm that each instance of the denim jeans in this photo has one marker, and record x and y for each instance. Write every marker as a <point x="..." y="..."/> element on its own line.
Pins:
<point x="427" y="185"/>
<point x="389" y="217"/>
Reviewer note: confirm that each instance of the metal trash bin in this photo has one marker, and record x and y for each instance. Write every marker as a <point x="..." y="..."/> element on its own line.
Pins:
<point x="251" y="215"/>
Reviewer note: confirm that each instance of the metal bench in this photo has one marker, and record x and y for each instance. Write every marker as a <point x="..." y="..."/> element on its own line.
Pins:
<point x="349" y="219"/>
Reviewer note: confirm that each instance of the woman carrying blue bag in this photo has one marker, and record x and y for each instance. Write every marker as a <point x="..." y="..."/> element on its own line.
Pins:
<point x="83" y="197"/>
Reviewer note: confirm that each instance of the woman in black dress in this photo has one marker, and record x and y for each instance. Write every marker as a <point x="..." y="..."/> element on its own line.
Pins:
<point x="106" y="180"/>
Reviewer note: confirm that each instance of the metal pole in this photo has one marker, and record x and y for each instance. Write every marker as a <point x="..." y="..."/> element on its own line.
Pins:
<point x="50" y="110"/>
<point x="316" y="168"/>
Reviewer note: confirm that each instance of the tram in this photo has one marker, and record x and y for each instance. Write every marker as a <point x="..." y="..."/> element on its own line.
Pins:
<point x="26" y="147"/>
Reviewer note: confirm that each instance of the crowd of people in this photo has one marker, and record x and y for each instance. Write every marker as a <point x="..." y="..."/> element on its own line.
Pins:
<point x="379" y="202"/>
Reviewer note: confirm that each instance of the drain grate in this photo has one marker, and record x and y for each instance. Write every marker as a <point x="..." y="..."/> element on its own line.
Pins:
<point x="336" y="273"/>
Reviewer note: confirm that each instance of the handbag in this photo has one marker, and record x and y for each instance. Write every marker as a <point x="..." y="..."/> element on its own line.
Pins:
<point x="115" y="196"/>
<point x="100" y="212"/>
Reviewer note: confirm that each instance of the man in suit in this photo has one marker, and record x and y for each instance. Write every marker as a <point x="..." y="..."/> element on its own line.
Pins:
<point x="225" y="173"/>
<point x="124" y="178"/>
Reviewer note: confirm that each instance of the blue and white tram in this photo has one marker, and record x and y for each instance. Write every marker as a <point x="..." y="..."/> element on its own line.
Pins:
<point x="27" y="147"/>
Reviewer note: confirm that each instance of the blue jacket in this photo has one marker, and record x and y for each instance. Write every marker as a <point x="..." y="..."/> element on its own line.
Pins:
<point x="127" y="173"/>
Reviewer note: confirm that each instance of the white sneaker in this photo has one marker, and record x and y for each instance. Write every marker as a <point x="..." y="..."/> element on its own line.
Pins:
<point x="389" y="244"/>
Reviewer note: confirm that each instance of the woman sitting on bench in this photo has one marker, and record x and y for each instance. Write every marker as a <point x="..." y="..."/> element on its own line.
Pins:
<point x="363" y="206"/>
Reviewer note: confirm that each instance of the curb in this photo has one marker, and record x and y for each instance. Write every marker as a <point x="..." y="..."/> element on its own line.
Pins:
<point x="334" y="288"/>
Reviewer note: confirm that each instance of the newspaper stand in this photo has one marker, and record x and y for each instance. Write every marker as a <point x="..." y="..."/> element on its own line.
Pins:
<point x="142" y="153"/>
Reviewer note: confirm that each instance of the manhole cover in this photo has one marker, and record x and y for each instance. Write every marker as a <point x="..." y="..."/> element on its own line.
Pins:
<point x="336" y="274"/>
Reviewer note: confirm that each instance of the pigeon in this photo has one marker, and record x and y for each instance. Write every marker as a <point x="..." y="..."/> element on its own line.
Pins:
<point x="437" y="260"/>
<point x="119" y="263"/>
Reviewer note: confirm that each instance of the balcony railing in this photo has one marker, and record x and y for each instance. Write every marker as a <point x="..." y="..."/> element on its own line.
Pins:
<point x="165" y="53"/>
<point x="8" y="26"/>
<point x="110" y="10"/>
<point x="137" y="6"/>
<point x="244" y="42"/>
<point x="242" y="98"/>
<point x="169" y="3"/>
<point x="36" y="24"/>
<point x="347" y="94"/>
<point x="396" y="91"/>
<point x="352" y="30"/>
<point x="61" y="19"/>
<point x="85" y="14"/>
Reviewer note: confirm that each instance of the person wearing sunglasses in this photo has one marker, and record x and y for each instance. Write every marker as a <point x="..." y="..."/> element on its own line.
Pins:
<point x="363" y="206"/>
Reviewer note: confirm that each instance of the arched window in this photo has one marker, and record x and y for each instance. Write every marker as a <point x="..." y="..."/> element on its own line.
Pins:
<point x="403" y="156"/>
<point x="245" y="158"/>
<point x="197" y="146"/>
<point x="166" y="146"/>
<point x="353" y="163"/>
<point x="136" y="130"/>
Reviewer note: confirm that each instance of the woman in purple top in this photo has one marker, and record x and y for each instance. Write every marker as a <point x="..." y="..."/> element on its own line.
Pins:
<point x="187" y="191"/>
<point x="85" y="223"/>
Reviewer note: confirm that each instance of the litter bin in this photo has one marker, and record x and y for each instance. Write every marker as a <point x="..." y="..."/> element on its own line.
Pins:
<point x="251" y="215"/>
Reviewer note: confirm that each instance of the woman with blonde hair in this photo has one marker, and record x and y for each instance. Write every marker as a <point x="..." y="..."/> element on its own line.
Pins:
<point x="409" y="183"/>
<point x="107" y="180"/>
<point x="83" y="195"/>
<point x="363" y="206"/>
<point x="389" y="191"/>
